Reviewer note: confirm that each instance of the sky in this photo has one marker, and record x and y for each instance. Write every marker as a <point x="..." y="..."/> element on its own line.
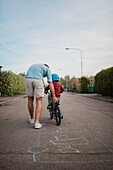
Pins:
<point x="39" y="31"/>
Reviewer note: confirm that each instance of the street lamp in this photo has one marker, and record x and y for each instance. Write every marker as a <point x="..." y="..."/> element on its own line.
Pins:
<point x="81" y="57"/>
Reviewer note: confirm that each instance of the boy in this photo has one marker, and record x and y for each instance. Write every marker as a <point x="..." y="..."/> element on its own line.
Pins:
<point x="58" y="88"/>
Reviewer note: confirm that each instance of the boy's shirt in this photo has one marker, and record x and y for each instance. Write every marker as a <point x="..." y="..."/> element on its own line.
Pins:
<point x="58" y="88"/>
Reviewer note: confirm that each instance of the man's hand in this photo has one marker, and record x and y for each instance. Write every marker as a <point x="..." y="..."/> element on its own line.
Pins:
<point x="55" y="100"/>
<point x="45" y="92"/>
<point x="51" y="86"/>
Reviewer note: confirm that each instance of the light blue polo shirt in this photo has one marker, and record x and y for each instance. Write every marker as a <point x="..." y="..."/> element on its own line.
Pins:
<point x="39" y="71"/>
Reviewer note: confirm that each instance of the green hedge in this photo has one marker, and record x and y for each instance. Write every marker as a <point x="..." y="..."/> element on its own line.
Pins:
<point x="11" y="84"/>
<point x="84" y="84"/>
<point x="104" y="82"/>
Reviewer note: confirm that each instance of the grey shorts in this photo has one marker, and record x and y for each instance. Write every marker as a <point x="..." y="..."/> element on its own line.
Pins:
<point x="34" y="87"/>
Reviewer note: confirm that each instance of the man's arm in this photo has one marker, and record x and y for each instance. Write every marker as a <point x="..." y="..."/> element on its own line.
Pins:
<point x="51" y="86"/>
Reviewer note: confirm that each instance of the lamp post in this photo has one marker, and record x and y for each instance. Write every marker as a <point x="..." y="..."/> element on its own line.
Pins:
<point x="81" y="57"/>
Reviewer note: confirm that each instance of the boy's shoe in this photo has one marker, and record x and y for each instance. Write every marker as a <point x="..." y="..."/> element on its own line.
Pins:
<point x="31" y="121"/>
<point x="49" y="106"/>
<point x="61" y="115"/>
<point x="38" y="125"/>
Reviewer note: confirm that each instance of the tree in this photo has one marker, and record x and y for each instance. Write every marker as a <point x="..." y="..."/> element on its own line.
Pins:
<point x="74" y="83"/>
<point x="22" y="74"/>
<point x="84" y="84"/>
<point x="62" y="81"/>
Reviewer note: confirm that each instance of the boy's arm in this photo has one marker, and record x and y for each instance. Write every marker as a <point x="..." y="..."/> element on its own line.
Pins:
<point x="51" y="86"/>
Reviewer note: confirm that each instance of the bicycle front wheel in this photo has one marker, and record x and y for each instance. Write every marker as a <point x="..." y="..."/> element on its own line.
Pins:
<point x="58" y="118"/>
<point x="51" y="114"/>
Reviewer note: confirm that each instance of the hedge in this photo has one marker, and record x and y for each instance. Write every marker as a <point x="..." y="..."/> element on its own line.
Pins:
<point x="84" y="84"/>
<point x="11" y="84"/>
<point x="104" y="82"/>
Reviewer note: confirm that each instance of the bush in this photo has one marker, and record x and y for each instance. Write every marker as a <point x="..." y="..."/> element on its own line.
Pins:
<point x="11" y="84"/>
<point x="79" y="88"/>
<point x="84" y="84"/>
<point x="104" y="82"/>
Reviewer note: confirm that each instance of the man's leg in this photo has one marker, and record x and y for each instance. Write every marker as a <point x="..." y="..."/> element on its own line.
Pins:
<point x="31" y="106"/>
<point x="38" y="110"/>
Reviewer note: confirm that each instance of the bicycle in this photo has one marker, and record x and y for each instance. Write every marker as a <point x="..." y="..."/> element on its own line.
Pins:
<point x="55" y="112"/>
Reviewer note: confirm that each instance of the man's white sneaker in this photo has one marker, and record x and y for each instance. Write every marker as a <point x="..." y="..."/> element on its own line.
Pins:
<point x="31" y="121"/>
<point x="38" y="125"/>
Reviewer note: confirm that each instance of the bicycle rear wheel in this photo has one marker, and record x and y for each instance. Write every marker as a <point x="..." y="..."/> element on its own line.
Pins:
<point x="58" y="118"/>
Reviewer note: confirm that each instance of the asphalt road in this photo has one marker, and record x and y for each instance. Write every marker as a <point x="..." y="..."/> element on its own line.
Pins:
<point x="84" y="140"/>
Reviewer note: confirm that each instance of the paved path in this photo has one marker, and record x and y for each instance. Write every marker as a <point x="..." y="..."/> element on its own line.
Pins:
<point x="84" y="140"/>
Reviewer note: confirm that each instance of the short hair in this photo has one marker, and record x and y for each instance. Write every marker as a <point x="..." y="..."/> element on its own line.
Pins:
<point x="46" y="65"/>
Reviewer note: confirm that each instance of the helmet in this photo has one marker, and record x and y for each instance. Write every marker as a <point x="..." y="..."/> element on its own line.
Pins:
<point x="55" y="77"/>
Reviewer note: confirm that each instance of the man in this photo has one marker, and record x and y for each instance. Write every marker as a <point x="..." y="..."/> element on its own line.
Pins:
<point x="35" y="87"/>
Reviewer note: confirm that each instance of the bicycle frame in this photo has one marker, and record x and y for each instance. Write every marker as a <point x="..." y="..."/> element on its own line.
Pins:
<point x="55" y="110"/>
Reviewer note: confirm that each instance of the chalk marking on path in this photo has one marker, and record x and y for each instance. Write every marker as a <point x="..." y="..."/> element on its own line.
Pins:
<point x="61" y="130"/>
<point x="74" y="150"/>
<point x="61" y="141"/>
<point x="103" y="144"/>
<point x="56" y="137"/>
<point x="37" y="146"/>
<point x="43" y="124"/>
<point x="65" y="138"/>
<point x="76" y="162"/>
<point x="52" y="142"/>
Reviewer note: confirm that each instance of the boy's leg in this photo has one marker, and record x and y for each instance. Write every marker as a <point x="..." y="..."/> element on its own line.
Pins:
<point x="38" y="109"/>
<point x="49" y="99"/>
<point x="59" y="109"/>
